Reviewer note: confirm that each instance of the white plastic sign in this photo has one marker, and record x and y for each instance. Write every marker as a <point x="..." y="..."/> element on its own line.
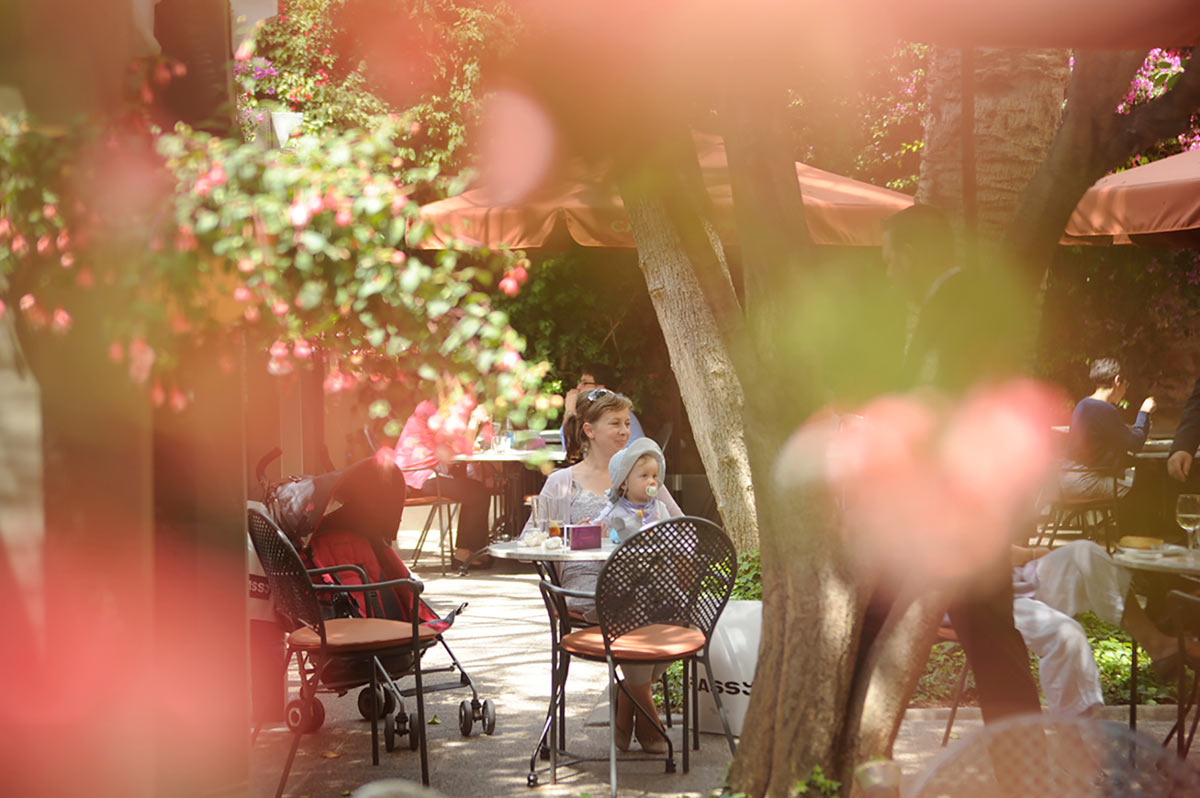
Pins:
<point x="734" y="656"/>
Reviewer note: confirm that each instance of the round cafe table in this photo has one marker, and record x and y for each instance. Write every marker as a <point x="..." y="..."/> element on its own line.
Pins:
<point x="540" y="556"/>
<point x="544" y="558"/>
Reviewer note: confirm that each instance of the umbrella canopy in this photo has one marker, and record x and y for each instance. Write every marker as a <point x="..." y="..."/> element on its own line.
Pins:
<point x="585" y="202"/>
<point x="1157" y="203"/>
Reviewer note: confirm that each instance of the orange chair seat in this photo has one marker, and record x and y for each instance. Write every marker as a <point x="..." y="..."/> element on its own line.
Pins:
<point x="659" y="642"/>
<point x="359" y="634"/>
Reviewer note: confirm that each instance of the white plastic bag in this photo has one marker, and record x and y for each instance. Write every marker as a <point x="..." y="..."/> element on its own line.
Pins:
<point x="734" y="656"/>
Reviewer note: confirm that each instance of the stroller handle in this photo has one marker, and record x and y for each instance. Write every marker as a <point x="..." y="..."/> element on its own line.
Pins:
<point x="417" y="587"/>
<point x="260" y="470"/>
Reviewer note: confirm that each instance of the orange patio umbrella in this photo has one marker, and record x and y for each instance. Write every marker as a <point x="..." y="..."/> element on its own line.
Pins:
<point x="584" y="202"/>
<point x="1157" y="203"/>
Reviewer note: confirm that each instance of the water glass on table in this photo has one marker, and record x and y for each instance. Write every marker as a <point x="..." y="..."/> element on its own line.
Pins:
<point x="1187" y="514"/>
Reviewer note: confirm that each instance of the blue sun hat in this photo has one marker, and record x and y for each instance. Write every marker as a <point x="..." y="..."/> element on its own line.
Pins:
<point x="622" y="463"/>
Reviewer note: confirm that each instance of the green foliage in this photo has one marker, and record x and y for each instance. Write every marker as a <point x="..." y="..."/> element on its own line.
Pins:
<point x="873" y="130"/>
<point x="590" y="305"/>
<point x="1137" y="304"/>
<point x="309" y="249"/>
<point x="1111" y="646"/>
<point x="817" y="783"/>
<point x="349" y="63"/>
<point x="748" y="584"/>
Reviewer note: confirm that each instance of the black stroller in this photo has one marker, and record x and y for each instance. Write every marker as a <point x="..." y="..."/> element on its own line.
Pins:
<point x="350" y="518"/>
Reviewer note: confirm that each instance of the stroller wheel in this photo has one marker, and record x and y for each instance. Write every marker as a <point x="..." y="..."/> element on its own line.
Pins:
<point x="466" y="718"/>
<point x="532" y="780"/>
<point x="389" y="734"/>
<point x="304" y="716"/>
<point x="385" y="703"/>
<point x="489" y="716"/>
<point x="414" y="732"/>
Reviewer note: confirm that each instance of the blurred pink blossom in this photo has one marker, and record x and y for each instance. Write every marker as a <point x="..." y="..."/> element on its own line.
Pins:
<point x="26" y="301"/>
<point x="141" y="360"/>
<point x="301" y="348"/>
<point x="931" y="490"/>
<point x="116" y="352"/>
<point x="60" y="321"/>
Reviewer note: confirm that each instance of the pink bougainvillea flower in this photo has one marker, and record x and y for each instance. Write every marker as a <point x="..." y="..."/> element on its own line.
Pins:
<point x="931" y="491"/>
<point x="399" y="257"/>
<point x="43" y="245"/>
<point x="49" y="210"/>
<point x="279" y="307"/>
<point x="299" y="214"/>
<point x="60" y="321"/>
<point x="26" y="301"/>
<point x="141" y="360"/>
<point x="519" y="274"/>
<point x="84" y="278"/>
<point x="116" y="352"/>
<point x="63" y="240"/>
<point x="244" y="51"/>
<point x="251" y="314"/>
<point x="202" y="187"/>
<point x="178" y="400"/>
<point x="279" y="349"/>
<point x="157" y="395"/>
<point x="3" y="308"/>
<point x="509" y="361"/>
<point x="509" y="286"/>
<point x="242" y="294"/>
<point x="302" y="348"/>
<point x="344" y="217"/>
<point x="216" y="175"/>
<point x="18" y="244"/>
<point x="278" y="367"/>
<point x="5" y="227"/>
<point x="385" y="456"/>
<point x="67" y="260"/>
<point x="245" y="265"/>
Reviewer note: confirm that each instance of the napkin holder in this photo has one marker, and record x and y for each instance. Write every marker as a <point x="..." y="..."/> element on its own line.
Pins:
<point x="583" y="536"/>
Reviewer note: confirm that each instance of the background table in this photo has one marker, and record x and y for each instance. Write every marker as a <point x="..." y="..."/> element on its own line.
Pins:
<point x="518" y="478"/>
<point x="1185" y="564"/>
<point x="539" y="556"/>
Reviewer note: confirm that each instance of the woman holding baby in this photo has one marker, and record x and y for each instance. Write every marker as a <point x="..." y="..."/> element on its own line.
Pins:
<point x="596" y="435"/>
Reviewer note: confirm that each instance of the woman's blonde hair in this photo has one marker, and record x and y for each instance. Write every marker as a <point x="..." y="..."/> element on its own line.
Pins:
<point x="589" y="407"/>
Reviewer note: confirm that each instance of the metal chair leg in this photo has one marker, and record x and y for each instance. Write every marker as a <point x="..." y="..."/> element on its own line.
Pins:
<point x="958" y="694"/>
<point x="720" y="707"/>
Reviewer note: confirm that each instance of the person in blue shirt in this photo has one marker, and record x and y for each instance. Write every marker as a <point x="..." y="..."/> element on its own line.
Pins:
<point x="1100" y="439"/>
<point x="591" y="377"/>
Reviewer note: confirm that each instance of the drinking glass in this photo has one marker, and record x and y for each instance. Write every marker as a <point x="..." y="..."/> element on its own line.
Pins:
<point x="1187" y="513"/>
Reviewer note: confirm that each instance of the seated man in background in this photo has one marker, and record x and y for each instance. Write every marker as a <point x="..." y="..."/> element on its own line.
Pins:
<point x="1050" y="588"/>
<point x="1099" y="439"/>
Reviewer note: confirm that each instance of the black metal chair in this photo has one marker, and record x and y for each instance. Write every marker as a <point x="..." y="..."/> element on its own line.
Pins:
<point x="658" y="599"/>
<point x="1185" y="614"/>
<point x="341" y="653"/>
<point x="1096" y="517"/>
<point x="1067" y="757"/>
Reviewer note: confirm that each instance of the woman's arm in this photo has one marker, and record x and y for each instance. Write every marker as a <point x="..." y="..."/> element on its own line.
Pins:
<point x="666" y="498"/>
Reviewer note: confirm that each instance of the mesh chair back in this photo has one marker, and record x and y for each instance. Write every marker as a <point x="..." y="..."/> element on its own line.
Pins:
<point x="679" y="571"/>
<point x="1060" y="756"/>
<point x="291" y="587"/>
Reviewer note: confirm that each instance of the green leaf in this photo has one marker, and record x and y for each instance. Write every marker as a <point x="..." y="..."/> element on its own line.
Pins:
<point x="310" y="294"/>
<point x="380" y="408"/>
<point x="313" y="241"/>
<point x="206" y="222"/>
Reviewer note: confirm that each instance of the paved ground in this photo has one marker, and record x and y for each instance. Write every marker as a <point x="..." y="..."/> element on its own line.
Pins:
<point x="503" y="643"/>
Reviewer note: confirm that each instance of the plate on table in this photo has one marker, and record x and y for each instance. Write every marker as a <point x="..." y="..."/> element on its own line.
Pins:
<point x="1145" y="554"/>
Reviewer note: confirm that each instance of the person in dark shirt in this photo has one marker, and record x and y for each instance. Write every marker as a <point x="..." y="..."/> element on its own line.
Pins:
<point x="1099" y="439"/>
<point x="961" y="331"/>
<point x="1187" y="438"/>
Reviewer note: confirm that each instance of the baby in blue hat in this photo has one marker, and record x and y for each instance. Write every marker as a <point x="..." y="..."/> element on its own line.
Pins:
<point x="636" y="472"/>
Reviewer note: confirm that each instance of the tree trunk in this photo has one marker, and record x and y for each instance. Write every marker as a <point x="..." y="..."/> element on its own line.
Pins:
<point x="709" y="385"/>
<point x="1018" y="105"/>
